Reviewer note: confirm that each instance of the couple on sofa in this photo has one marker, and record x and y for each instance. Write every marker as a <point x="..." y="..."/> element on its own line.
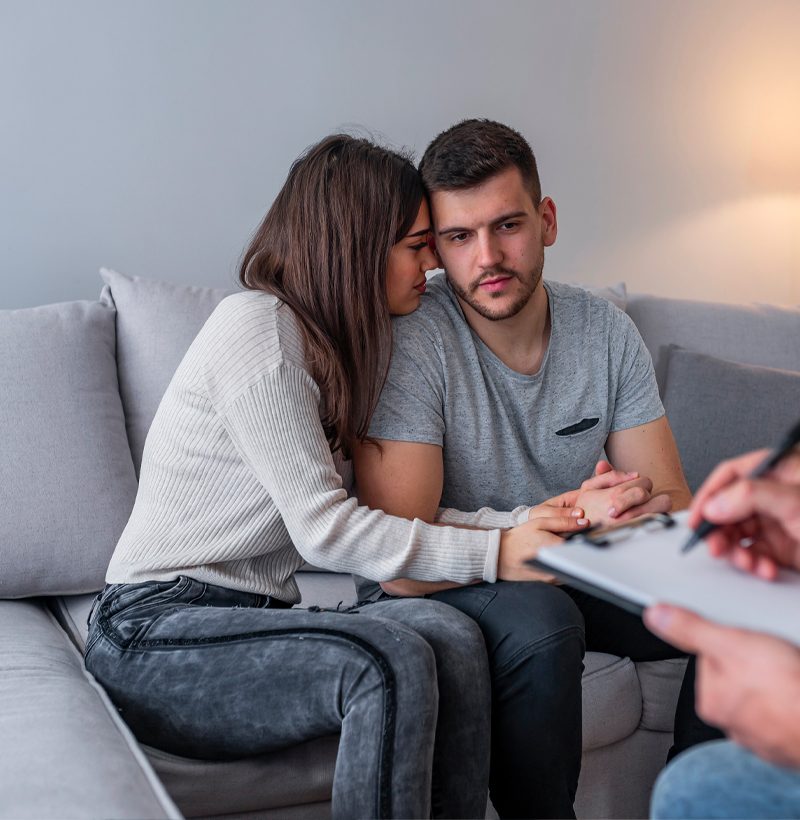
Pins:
<point x="470" y="422"/>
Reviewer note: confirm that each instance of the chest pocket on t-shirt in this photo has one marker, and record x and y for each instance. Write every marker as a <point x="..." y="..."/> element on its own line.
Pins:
<point x="579" y="427"/>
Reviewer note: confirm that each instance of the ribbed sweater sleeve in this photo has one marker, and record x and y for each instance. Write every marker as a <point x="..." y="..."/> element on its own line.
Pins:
<point x="485" y="518"/>
<point x="275" y="427"/>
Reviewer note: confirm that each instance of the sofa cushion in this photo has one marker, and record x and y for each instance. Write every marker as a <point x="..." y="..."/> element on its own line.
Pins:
<point x="660" y="682"/>
<point x="66" y="472"/>
<point x="612" y="699"/>
<point x="750" y="334"/>
<point x="156" y="323"/>
<point x="616" y="294"/>
<point x="718" y="409"/>
<point x="299" y="775"/>
<point x="65" y="752"/>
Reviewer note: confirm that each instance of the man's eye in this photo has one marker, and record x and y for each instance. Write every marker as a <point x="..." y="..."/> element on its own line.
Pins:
<point x="458" y="237"/>
<point x="508" y="226"/>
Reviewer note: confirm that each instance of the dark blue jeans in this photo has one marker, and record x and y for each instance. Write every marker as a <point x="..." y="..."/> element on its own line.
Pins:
<point x="536" y="635"/>
<point x="207" y="672"/>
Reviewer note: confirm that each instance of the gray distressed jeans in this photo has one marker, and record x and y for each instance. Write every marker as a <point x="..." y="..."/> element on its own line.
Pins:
<point x="208" y="672"/>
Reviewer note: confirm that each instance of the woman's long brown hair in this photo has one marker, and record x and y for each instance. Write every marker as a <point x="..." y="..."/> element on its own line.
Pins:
<point x="323" y="249"/>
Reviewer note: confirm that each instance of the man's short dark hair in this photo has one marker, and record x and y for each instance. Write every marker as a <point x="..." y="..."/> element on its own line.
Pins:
<point x="472" y="151"/>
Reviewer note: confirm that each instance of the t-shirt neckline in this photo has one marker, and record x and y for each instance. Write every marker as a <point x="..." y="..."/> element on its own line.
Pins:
<point x="486" y="353"/>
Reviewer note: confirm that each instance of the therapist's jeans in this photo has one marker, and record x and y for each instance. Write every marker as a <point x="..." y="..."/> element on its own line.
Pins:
<point x="722" y="779"/>
<point x="536" y="635"/>
<point x="207" y="672"/>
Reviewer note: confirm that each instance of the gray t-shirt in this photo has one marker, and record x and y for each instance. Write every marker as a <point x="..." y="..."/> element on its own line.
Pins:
<point x="507" y="438"/>
<point x="510" y="439"/>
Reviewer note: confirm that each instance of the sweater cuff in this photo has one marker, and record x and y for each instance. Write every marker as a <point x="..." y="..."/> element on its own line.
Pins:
<point x="492" y="556"/>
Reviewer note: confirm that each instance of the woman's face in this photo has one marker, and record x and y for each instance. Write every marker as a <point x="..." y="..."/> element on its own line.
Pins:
<point x="409" y="259"/>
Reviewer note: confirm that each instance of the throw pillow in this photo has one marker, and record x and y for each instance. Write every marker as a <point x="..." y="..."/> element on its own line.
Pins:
<point x="66" y="473"/>
<point x="156" y="323"/>
<point x="719" y="409"/>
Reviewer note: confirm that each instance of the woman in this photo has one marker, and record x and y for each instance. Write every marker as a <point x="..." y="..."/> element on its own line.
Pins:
<point x="245" y="476"/>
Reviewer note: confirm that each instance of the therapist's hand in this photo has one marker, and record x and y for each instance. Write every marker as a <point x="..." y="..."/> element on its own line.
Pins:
<point x="747" y="683"/>
<point x="764" y="511"/>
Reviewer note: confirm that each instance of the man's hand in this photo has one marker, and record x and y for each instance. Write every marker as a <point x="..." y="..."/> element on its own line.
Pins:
<point x="623" y="502"/>
<point x="759" y="518"/>
<point x="747" y="682"/>
<point x="608" y="496"/>
<point x="522" y="543"/>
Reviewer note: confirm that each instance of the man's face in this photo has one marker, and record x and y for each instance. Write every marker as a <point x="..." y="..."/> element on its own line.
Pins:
<point x="491" y="241"/>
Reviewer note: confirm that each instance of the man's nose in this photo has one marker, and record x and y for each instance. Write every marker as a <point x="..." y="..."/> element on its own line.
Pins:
<point x="489" y="252"/>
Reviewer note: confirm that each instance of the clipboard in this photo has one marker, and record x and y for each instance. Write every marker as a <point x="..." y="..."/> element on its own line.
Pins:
<point x="639" y="563"/>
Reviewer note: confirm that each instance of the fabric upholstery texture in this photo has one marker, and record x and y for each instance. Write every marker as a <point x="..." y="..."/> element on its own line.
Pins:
<point x="616" y="780"/>
<point x="65" y="752"/>
<point x="156" y="323"/>
<point x="660" y="682"/>
<point x="300" y="774"/>
<point x="755" y="334"/>
<point x="616" y="294"/>
<point x="719" y="409"/>
<point x="610" y="687"/>
<point x="66" y="472"/>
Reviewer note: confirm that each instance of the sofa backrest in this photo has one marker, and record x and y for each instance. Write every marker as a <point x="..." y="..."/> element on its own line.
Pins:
<point x="81" y="382"/>
<point x="754" y="334"/>
<point x="728" y="374"/>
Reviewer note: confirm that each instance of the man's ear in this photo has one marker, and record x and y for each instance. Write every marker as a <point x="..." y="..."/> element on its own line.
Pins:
<point x="547" y="212"/>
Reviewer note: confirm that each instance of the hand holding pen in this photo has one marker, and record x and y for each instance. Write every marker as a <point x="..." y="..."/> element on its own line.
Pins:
<point x="749" y="509"/>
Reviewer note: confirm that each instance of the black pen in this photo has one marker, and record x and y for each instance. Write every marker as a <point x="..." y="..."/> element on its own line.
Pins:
<point x="789" y="442"/>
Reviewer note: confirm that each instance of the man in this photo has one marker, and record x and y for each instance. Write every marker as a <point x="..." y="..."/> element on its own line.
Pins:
<point x="748" y="683"/>
<point x="504" y="391"/>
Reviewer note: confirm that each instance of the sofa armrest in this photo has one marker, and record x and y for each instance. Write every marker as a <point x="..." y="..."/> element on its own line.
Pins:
<point x="64" y="751"/>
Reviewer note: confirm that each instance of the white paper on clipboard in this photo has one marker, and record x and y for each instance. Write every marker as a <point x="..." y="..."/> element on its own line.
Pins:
<point x="648" y="567"/>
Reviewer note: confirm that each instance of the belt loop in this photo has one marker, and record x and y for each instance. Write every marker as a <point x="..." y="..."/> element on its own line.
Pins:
<point x="95" y="603"/>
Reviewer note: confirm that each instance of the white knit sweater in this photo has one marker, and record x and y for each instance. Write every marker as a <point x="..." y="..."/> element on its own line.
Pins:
<point x="238" y="485"/>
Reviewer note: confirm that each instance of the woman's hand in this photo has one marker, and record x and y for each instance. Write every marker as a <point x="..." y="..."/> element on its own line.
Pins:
<point x="522" y="543"/>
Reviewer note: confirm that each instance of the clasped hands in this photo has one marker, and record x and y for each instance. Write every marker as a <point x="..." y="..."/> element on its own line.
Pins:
<point x="609" y="496"/>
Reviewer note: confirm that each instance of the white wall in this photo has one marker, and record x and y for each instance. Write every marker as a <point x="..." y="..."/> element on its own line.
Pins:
<point x="151" y="136"/>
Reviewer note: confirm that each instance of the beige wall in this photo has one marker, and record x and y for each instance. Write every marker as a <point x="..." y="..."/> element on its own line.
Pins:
<point x="704" y="197"/>
<point x="151" y="136"/>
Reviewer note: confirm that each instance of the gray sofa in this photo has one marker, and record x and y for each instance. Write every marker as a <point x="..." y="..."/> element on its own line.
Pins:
<point x="80" y="384"/>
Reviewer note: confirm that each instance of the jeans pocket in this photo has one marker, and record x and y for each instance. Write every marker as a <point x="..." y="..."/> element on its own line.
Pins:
<point x="127" y="615"/>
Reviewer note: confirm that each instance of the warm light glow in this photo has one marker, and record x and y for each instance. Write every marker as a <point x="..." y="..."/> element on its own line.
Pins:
<point x="742" y="251"/>
<point x="756" y="97"/>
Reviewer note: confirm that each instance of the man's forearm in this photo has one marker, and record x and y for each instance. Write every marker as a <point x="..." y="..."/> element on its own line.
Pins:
<point x="408" y="588"/>
<point x="681" y="496"/>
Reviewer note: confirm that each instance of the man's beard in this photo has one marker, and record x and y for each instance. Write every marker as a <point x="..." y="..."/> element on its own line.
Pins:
<point x="529" y="282"/>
